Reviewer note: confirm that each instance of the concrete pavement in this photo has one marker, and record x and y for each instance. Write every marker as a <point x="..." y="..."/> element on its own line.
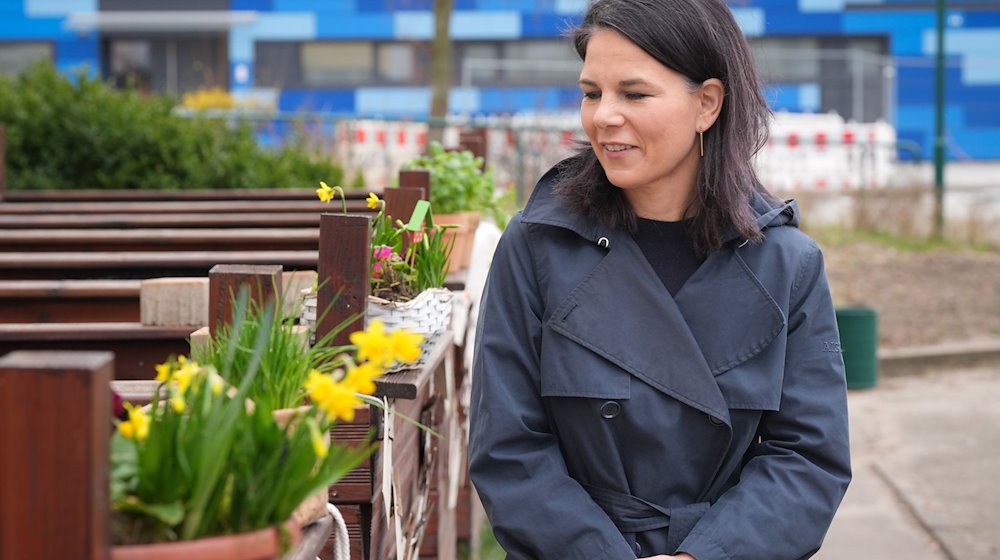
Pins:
<point x="926" y="454"/>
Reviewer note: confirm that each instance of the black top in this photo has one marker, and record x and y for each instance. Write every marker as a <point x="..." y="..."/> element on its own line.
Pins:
<point x="669" y="249"/>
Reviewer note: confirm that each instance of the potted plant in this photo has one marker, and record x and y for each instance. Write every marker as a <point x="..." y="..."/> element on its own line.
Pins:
<point x="462" y="189"/>
<point x="207" y="470"/>
<point x="409" y="264"/>
<point x="279" y="384"/>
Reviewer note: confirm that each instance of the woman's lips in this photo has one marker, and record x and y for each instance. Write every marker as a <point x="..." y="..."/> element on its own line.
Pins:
<point x="617" y="150"/>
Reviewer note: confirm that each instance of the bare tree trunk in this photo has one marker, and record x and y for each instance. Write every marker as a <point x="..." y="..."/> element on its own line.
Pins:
<point x="440" y="69"/>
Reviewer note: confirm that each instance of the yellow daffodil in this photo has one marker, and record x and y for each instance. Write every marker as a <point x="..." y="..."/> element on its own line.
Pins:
<point x="336" y="400"/>
<point x="372" y="200"/>
<point x="216" y="383"/>
<point x="137" y="425"/>
<point x="320" y="447"/>
<point x="362" y="378"/>
<point x="183" y="376"/>
<point x="178" y="403"/>
<point x="373" y="344"/>
<point x="405" y="345"/>
<point x="163" y="372"/>
<point x="324" y="192"/>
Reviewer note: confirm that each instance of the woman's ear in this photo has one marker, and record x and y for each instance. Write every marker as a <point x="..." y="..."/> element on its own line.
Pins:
<point x="711" y="94"/>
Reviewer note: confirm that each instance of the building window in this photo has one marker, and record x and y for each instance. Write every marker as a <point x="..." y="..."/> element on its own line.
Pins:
<point x="541" y="63"/>
<point x="344" y="64"/>
<point x="277" y="65"/>
<point x="853" y="73"/>
<point x="787" y="59"/>
<point x="337" y="64"/>
<point x="341" y="64"/>
<point x="404" y="63"/>
<point x="131" y="64"/>
<point x="166" y="63"/>
<point x="477" y="63"/>
<point x="16" y="56"/>
<point x="551" y="62"/>
<point x="161" y="5"/>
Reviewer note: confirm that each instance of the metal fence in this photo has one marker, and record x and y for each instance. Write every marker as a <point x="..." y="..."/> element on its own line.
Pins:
<point x="805" y="151"/>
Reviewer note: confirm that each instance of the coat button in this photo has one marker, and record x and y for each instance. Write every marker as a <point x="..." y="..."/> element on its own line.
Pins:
<point x="610" y="409"/>
<point x="714" y="420"/>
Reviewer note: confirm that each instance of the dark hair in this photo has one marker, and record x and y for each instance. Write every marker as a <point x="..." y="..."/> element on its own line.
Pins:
<point x="700" y="40"/>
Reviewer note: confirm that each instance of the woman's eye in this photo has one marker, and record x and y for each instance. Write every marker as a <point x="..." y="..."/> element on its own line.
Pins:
<point x="635" y="96"/>
<point x="591" y="95"/>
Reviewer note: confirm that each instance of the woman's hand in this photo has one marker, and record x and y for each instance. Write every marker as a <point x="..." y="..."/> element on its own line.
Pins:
<point x="681" y="556"/>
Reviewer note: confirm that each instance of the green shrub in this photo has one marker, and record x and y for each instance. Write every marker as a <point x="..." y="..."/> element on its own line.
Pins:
<point x="78" y="132"/>
<point x="460" y="183"/>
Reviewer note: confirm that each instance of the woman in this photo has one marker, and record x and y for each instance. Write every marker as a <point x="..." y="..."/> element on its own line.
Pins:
<point x="658" y="371"/>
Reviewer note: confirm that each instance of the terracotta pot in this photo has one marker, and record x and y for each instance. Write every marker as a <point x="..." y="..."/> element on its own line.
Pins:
<point x="263" y="544"/>
<point x="467" y="223"/>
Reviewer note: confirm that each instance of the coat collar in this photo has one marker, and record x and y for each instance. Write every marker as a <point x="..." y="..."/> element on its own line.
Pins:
<point x="722" y="317"/>
<point x="544" y="207"/>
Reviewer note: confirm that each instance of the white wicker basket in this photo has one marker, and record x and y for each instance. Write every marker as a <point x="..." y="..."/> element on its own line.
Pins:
<point x="429" y="313"/>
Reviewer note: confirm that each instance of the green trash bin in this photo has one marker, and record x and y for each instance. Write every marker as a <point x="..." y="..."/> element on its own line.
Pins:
<point x="858" y="328"/>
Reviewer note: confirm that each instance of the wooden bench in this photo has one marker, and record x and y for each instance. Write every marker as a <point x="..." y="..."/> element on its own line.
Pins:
<point x="153" y="220"/>
<point x="108" y="195"/>
<point x="136" y="348"/>
<point x="139" y="264"/>
<point x="69" y="301"/>
<point x="179" y="207"/>
<point x="160" y="239"/>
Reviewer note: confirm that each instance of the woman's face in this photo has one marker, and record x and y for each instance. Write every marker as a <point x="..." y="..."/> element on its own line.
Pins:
<point x="641" y="119"/>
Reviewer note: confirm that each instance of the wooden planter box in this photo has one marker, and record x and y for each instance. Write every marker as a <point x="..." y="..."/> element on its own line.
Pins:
<point x="417" y="465"/>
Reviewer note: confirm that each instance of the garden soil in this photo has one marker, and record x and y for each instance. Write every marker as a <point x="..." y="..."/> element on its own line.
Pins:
<point x="923" y="297"/>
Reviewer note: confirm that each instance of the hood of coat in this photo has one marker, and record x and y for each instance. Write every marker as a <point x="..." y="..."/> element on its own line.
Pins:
<point x="544" y="207"/>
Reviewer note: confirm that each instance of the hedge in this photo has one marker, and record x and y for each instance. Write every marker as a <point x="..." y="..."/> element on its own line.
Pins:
<point x="78" y="132"/>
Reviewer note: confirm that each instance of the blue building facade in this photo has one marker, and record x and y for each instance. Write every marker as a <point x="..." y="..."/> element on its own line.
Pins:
<point x="865" y="59"/>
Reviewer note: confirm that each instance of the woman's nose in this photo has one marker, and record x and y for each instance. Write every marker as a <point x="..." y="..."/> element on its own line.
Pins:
<point x="608" y="114"/>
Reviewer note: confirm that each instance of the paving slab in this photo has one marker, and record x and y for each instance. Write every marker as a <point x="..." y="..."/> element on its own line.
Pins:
<point x="926" y="457"/>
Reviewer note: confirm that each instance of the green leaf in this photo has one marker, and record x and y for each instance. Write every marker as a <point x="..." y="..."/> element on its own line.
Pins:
<point x="421" y="212"/>
<point x="170" y="513"/>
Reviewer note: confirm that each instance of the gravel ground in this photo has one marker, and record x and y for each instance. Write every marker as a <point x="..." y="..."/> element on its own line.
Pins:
<point x="923" y="297"/>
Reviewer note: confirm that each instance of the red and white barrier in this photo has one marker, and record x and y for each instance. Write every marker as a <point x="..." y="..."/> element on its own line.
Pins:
<point x="815" y="152"/>
<point x="804" y="151"/>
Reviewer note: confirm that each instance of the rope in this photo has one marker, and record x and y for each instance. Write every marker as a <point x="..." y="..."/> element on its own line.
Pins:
<point x="341" y="542"/>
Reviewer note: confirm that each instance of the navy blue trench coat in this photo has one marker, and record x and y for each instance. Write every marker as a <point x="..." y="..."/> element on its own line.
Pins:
<point x="611" y="420"/>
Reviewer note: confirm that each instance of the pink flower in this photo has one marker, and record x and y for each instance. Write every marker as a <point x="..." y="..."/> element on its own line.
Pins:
<point x="383" y="252"/>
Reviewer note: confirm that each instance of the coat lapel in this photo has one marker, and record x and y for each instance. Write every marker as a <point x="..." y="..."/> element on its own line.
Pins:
<point x="722" y="317"/>
<point x="623" y="313"/>
<point x="729" y="312"/>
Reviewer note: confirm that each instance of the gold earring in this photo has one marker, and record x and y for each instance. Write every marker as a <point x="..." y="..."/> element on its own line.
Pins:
<point x="701" y="143"/>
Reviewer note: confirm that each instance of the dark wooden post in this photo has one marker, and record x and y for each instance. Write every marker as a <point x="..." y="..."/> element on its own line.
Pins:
<point x="344" y="259"/>
<point x="3" y="161"/>
<point x="416" y="179"/>
<point x="399" y="203"/>
<point x="225" y="281"/>
<point x="474" y="140"/>
<point x="55" y="412"/>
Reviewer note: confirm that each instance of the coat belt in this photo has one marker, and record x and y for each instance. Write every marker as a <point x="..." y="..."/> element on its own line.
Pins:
<point x="635" y="515"/>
